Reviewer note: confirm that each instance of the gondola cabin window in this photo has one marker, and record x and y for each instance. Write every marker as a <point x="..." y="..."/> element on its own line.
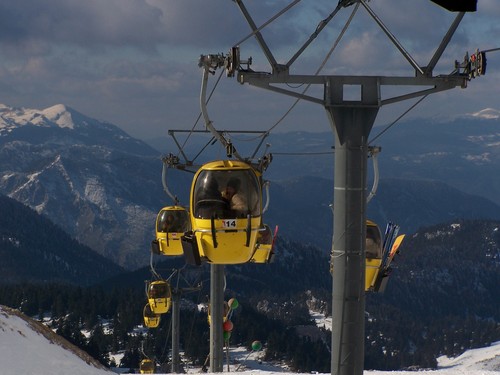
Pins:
<point x="159" y="289"/>
<point x="373" y="241"/>
<point x="227" y="195"/>
<point x="172" y="221"/>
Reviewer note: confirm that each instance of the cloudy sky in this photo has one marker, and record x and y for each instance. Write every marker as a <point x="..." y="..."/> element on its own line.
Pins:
<point x="135" y="62"/>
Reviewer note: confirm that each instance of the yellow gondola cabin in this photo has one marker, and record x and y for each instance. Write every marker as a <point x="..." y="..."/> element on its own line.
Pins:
<point x="147" y="366"/>
<point x="151" y="320"/>
<point x="226" y="209"/>
<point x="171" y="223"/>
<point x="159" y="296"/>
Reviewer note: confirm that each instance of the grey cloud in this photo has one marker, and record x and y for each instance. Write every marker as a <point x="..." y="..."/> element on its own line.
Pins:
<point x="85" y="23"/>
<point x="142" y="24"/>
<point x="96" y="55"/>
<point x="200" y="23"/>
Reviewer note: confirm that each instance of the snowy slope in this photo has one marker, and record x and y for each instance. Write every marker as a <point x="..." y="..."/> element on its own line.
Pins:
<point x="474" y="360"/>
<point x="28" y="348"/>
<point x="484" y="361"/>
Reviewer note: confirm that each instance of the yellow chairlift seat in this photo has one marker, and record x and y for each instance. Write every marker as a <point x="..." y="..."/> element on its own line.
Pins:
<point x="264" y="247"/>
<point x="147" y="366"/>
<point x="171" y="223"/>
<point x="159" y="296"/>
<point x="151" y="320"/>
<point x="226" y="209"/>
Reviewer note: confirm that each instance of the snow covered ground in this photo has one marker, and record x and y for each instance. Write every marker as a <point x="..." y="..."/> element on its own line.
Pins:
<point x="29" y="348"/>
<point x="484" y="361"/>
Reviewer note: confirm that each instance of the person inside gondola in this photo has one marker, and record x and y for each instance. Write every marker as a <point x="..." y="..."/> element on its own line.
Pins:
<point x="154" y="291"/>
<point x="372" y="244"/>
<point x="168" y="223"/>
<point x="181" y="222"/>
<point x="237" y="202"/>
<point x="158" y="290"/>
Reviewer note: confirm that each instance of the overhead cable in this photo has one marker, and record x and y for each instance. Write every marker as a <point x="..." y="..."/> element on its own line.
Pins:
<point x="199" y="116"/>
<point x="399" y="118"/>
<point x="325" y="60"/>
<point x="284" y="10"/>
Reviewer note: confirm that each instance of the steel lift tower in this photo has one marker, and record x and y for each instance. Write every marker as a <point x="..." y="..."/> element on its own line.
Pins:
<point x="351" y="122"/>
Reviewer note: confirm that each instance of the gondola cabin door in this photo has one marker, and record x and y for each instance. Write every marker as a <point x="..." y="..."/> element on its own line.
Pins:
<point x="226" y="209"/>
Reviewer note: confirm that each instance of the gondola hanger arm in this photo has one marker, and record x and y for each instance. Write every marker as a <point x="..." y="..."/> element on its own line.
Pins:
<point x="164" y="178"/>
<point x="374" y="151"/>
<point x="208" y="63"/>
<point x="268" y="197"/>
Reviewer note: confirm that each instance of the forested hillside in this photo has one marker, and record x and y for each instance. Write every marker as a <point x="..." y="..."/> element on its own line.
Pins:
<point x="33" y="249"/>
<point x="442" y="298"/>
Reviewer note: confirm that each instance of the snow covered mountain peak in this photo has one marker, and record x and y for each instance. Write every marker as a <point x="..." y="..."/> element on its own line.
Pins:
<point x="56" y="116"/>
<point x="59" y="115"/>
<point x="487" y="113"/>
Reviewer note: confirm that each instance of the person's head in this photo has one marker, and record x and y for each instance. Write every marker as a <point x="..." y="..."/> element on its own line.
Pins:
<point x="163" y="221"/>
<point x="232" y="186"/>
<point x="170" y="218"/>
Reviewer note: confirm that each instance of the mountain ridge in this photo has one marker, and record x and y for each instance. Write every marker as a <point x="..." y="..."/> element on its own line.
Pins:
<point x="91" y="178"/>
<point x="74" y="127"/>
<point x="33" y="249"/>
<point x="104" y="187"/>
